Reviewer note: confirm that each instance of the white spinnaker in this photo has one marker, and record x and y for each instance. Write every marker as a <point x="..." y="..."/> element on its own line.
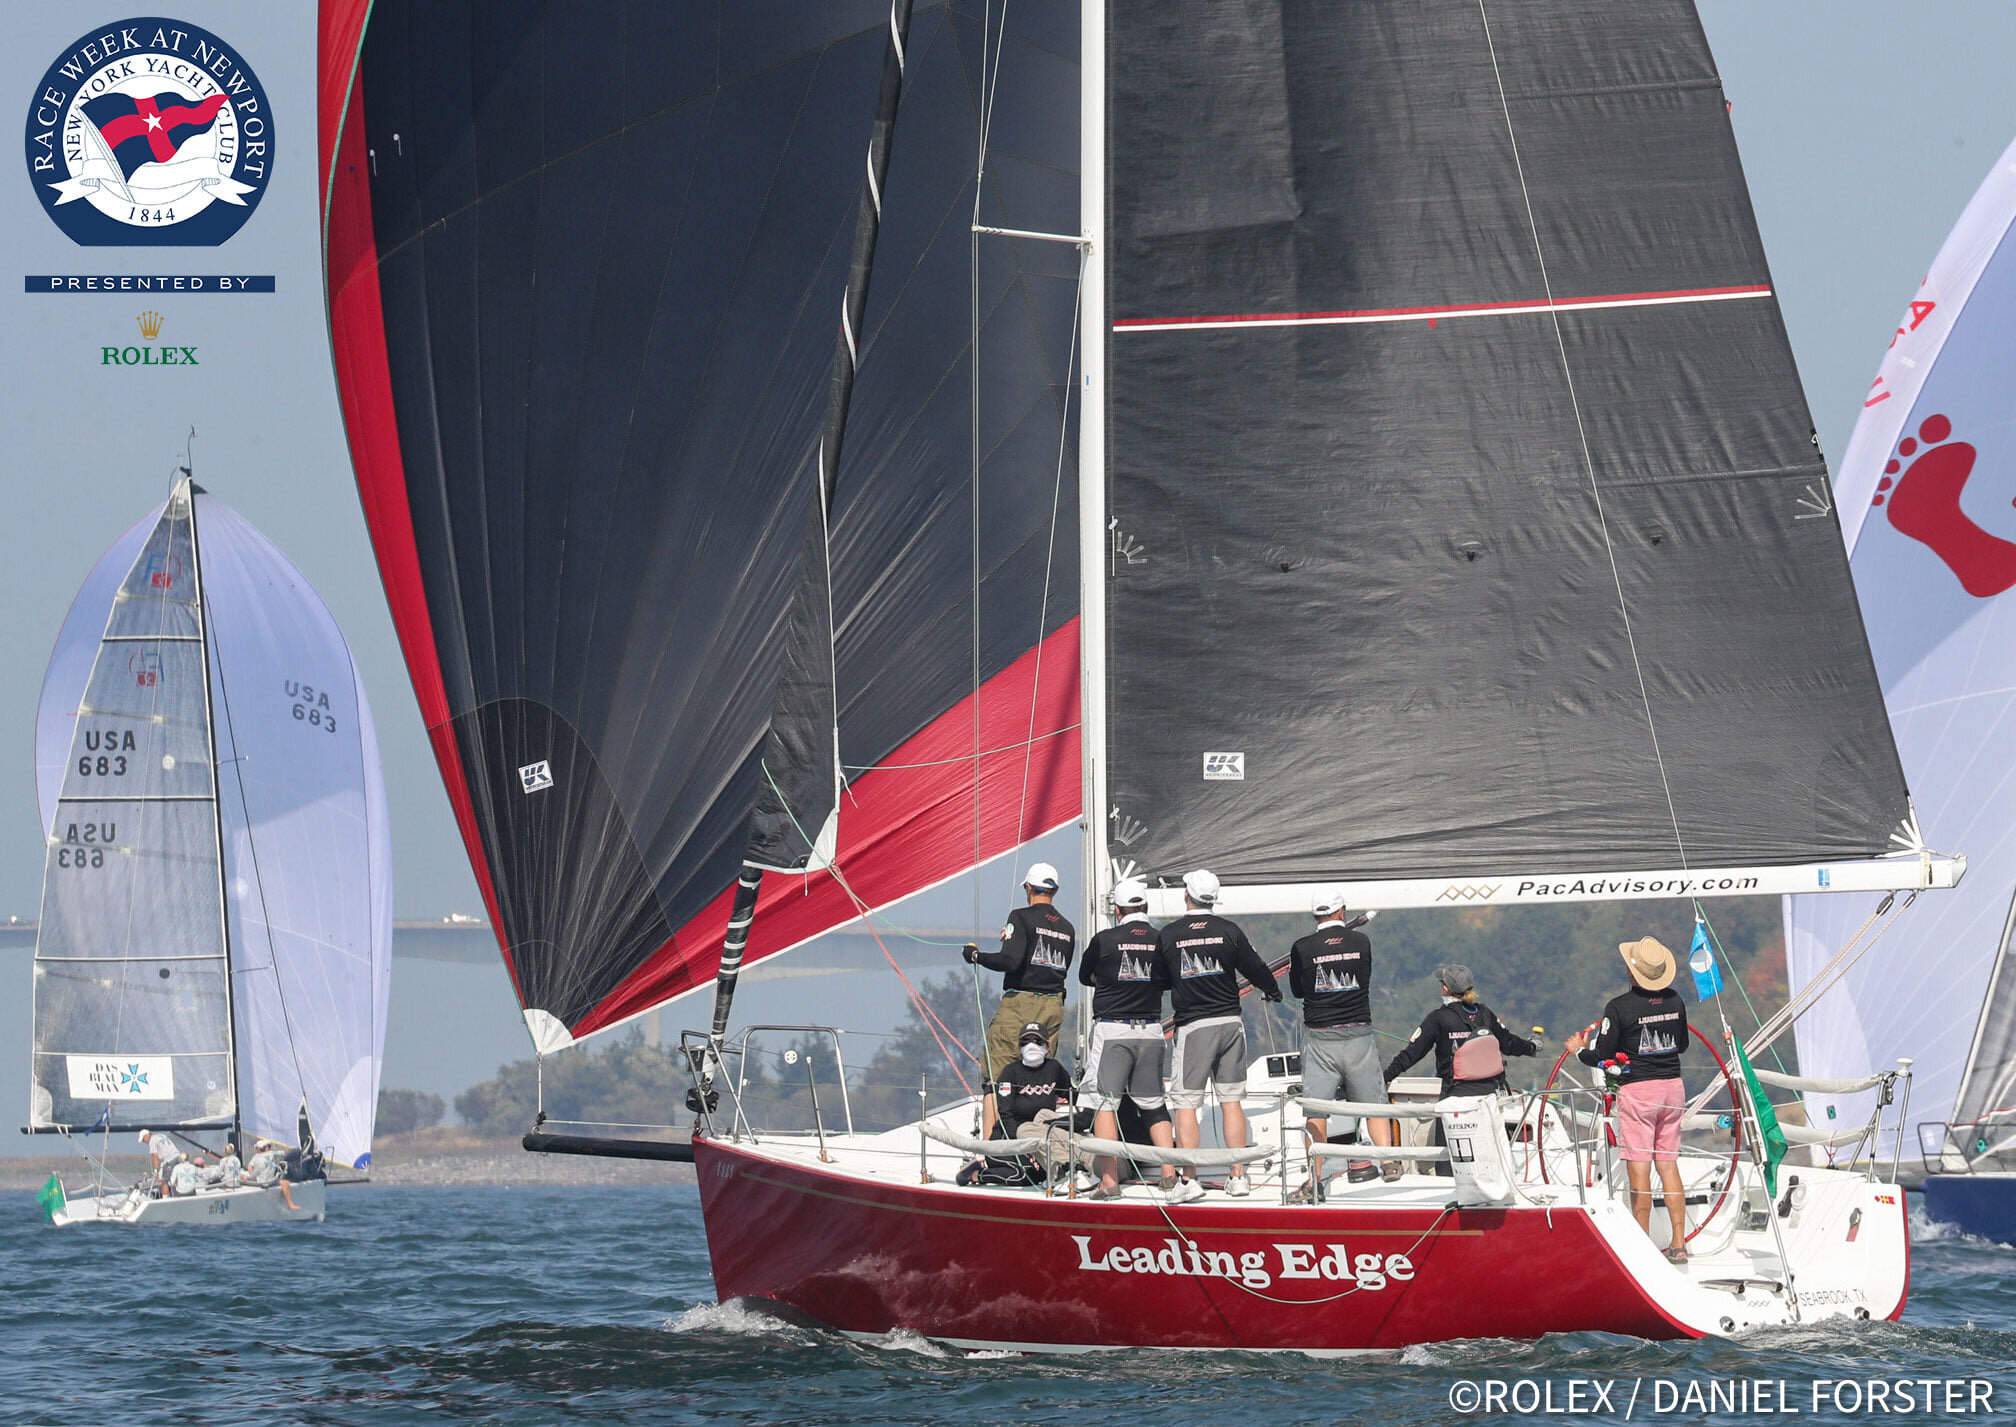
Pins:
<point x="1925" y="495"/>
<point x="307" y="845"/>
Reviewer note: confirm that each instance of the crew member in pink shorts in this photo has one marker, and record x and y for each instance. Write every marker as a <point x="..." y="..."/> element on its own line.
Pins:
<point x="1648" y="1024"/>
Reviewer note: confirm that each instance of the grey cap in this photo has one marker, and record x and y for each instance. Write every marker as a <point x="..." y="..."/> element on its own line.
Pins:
<point x="1456" y="977"/>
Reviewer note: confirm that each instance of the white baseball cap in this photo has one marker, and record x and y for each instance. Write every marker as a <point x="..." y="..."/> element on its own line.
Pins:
<point x="1328" y="902"/>
<point x="1201" y="886"/>
<point x="1130" y="892"/>
<point x="1042" y="876"/>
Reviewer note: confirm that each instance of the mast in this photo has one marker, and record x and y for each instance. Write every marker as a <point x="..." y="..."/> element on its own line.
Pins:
<point x="814" y="604"/>
<point x="1094" y="541"/>
<point x="189" y="491"/>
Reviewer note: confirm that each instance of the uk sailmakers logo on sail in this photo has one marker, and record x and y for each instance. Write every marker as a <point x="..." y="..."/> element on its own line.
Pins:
<point x="149" y="131"/>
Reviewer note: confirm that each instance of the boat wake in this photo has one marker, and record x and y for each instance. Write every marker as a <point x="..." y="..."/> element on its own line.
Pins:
<point x="736" y="1318"/>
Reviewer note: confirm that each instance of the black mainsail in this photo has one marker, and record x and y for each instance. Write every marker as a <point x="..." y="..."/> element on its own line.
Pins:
<point x="1467" y="526"/>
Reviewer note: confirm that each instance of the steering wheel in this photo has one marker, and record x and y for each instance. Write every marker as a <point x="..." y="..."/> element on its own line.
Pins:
<point x="1735" y="1148"/>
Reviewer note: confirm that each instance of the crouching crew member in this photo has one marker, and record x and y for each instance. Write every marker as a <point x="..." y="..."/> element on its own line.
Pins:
<point x="1032" y="1099"/>
<point x="1330" y="970"/>
<point x="1206" y="955"/>
<point x="1123" y="966"/>
<point x="1645" y="1030"/>
<point x="1035" y="953"/>
<point x="1469" y="1041"/>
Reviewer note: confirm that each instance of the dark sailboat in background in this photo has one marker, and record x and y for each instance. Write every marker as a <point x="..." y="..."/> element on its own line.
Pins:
<point x="1449" y="526"/>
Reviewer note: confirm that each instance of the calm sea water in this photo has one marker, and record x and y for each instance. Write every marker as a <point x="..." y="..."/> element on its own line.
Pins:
<point x="545" y="1306"/>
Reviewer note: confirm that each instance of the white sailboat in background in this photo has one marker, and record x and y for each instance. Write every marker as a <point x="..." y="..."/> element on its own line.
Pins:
<point x="1925" y="496"/>
<point x="214" y="952"/>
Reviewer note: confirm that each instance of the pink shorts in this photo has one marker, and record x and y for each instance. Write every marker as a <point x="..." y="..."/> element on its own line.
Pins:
<point x="1648" y="1119"/>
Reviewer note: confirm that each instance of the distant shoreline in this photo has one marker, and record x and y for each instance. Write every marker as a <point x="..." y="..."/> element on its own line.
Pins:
<point x="442" y="1158"/>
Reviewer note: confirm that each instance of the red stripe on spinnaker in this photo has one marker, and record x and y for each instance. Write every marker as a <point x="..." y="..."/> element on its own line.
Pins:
<point x="1396" y="314"/>
<point x="364" y="390"/>
<point x="903" y="827"/>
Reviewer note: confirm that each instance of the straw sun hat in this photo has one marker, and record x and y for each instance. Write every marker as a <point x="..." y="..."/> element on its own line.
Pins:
<point x="1652" y="965"/>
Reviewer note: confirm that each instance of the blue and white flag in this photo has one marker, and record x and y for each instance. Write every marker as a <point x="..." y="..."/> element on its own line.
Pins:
<point x="1701" y="961"/>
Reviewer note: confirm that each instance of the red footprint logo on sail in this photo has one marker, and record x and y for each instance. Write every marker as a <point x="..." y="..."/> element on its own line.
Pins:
<point x="1925" y="505"/>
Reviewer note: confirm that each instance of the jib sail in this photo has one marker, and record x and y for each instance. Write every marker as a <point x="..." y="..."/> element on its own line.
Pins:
<point x="584" y="367"/>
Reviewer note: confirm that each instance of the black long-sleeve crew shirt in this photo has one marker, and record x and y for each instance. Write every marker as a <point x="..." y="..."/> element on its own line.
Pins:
<point x="1205" y="955"/>
<point x="1019" y="1091"/>
<point x="1648" y="1026"/>
<point x="1123" y="966"/>
<point x="1036" y="949"/>
<point x="1331" y="971"/>
<point x="1447" y="1027"/>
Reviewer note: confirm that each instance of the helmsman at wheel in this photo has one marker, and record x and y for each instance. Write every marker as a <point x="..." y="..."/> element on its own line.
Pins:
<point x="1037" y="944"/>
<point x="1206" y="955"/>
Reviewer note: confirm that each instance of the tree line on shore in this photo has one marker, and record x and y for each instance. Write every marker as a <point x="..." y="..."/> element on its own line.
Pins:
<point x="1551" y="967"/>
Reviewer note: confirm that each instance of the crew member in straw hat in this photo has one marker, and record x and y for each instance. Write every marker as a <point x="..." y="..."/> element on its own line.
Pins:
<point x="1037" y="944"/>
<point x="1643" y="1034"/>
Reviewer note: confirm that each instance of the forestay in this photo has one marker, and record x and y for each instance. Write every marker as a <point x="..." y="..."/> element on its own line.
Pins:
<point x="1469" y="539"/>
<point x="1925" y="495"/>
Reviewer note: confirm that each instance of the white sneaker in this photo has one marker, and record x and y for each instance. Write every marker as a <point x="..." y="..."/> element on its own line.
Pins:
<point x="1187" y="1191"/>
<point x="1081" y="1182"/>
<point x="1238" y="1186"/>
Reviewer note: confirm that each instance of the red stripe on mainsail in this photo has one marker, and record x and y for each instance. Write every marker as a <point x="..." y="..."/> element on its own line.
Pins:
<point x="364" y="390"/>
<point x="905" y="826"/>
<point x="1402" y="314"/>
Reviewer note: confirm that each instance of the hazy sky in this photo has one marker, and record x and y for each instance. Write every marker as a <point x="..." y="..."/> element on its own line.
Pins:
<point x="1864" y="127"/>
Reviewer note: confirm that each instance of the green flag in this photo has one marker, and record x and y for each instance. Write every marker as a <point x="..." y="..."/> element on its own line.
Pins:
<point x="1767" y="1121"/>
<point x="51" y="1198"/>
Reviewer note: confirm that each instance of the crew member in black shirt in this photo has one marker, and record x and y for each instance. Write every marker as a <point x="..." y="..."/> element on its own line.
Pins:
<point x="1644" y="1032"/>
<point x="1206" y="955"/>
<point x="1123" y="966"/>
<point x="1451" y="1029"/>
<point x="1035" y="954"/>
<point x="1469" y="1041"/>
<point x="1330" y="971"/>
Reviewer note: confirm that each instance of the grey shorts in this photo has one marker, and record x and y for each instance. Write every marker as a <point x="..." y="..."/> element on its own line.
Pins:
<point x="1342" y="1063"/>
<point x="1208" y="1052"/>
<point x="1125" y="1060"/>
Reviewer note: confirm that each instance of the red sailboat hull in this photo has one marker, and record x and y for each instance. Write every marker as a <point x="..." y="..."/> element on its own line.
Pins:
<point x="1023" y="1271"/>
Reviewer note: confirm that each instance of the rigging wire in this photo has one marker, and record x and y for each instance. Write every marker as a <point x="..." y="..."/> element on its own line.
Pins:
<point x="924" y="1012"/>
<point x="985" y="119"/>
<point x="1050" y="551"/>
<point x="1588" y="461"/>
<point x="964" y="757"/>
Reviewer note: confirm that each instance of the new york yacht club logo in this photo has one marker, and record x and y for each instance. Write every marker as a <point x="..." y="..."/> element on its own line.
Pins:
<point x="149" y="131"/>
